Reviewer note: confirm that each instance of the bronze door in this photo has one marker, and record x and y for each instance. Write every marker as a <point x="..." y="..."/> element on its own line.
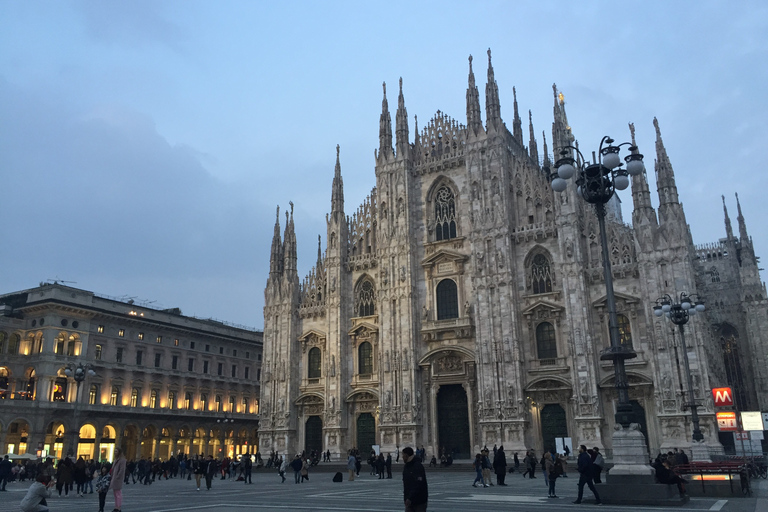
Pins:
<point x="313" y="434"/>
<point x="553" y="424"/>
<point x="453" y="421"/>
<point x="366" y="434"/>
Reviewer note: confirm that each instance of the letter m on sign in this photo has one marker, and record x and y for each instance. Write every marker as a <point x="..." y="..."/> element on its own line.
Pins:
<point x="723" y="397"/>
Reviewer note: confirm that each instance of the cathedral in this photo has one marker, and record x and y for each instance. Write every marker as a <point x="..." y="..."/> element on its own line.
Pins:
<point x="463" y="303"/>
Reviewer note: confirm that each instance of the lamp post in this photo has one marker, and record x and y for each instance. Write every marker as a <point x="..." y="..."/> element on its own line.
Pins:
<point x="597" y="182"/>
<point x="679" y="313"/>
<point x="78" y="373"/>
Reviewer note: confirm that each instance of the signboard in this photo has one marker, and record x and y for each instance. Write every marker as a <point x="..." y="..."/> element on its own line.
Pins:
<point x="765" y="421"/>
<point x="751" y="420"/>
<point x="741" y="436"/>
<point x="757" y="435"/>
<point x="723" y="397"/>
<point x="726" y="421"/>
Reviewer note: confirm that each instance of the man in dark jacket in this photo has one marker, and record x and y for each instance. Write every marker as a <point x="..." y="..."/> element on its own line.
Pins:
<point x="500" y="465"/>
<point x="415" y="491"/>
<point x="584" y="464"/>
<point x="5" y="472"/>
<point x="211" y="467"/>
<point x="388" y="464"/>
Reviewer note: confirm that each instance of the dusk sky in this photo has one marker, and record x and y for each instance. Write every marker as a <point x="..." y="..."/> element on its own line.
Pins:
<point x="144" y="145"/>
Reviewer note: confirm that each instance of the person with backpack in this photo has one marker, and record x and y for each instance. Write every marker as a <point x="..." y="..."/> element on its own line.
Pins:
<point x="598" y="462"/>
<point x="553" y="465"/>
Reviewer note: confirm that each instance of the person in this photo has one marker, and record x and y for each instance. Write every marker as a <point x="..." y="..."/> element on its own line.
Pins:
<point x="433" y="462"/>
<point x="380" y="465"/>
<point x="80" y="475"/>
<point x="487" y="467"/>
<point x="544" y="469"/>
<point x="554" y="468"/>
<point x="415" y="489"/>
<point x="102" y="486"/>
<point x="351" y="462"/>
<point x="528" y="466"/>
<point x="598" y="463"/>
<point x="296" y="465"/>
<point x="118" y="477"/>
<point x="63" y="476"/>
<point x="5" y="472"/>
<point x="500" y="465"/>
<point x="516" y="460"/>
<point x="305" y="470"/>
<point x="566" y="451"/>
<point x="210" y="471"/>
<point x="199" y="469"/>
<point x="34" y="500"/>
<point x="478" y="464"/>
<point x="328" y="456"/>
<point x="388" y="463"/>
<point x="247" y="464"/>
<point x="682" y="458"/>
<point x="665" y="475"/>
<point x="584" y="464"/>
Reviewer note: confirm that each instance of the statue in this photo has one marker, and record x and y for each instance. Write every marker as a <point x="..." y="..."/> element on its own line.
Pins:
<point x="406" y="396"/>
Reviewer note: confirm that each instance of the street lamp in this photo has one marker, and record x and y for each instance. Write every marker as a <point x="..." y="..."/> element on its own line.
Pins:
<point x="596" y="184"/>
<point x="679" y="313"/>
<point x="78" y="373"/>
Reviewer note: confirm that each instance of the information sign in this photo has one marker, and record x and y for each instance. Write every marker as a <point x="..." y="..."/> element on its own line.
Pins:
<point x="726" y="421"/>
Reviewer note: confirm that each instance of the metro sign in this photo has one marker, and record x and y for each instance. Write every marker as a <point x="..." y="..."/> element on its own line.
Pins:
<point x="726" y="421"/>
<point x="723" y="397"/>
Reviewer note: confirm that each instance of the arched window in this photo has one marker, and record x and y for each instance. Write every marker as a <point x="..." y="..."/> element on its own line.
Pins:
<point x="171" y="400"/>
<point x="313" y="363"/>
<point x="188" y="401"/>
<point x="92" y="394"/>
<point x="203" y="401"/>
<point x="13" y="345"/>
<point x="3" y="383"/>
<point x="541" y="274"/>
<point x="445" y="214"/>
<point x="60" y="340"/>
<point x="71" y="345"/>
<point x="114" y="396"/>
<point x="365" y="358"/>
<point x="231" y="404"/>
<point x="218" y="403"/>
<point x="255" y="406"/>
<point x="447" y="300"/>
<point x="546" y="345"/>
<point x="3" y="337"/>
<point x="60" y="390"/>
<point x="134" y="397"/>
<point x="714" y="274"/>
<point x="729" y="342"/>
<point x="625" y="331"/>
<point x="31" y="376"/>
<point x="153" y="399"/>
<point x="365" y="303"/>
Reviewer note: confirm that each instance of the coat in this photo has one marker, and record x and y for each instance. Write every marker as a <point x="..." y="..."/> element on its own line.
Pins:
<point x="500" y="462"/>
<point x="118" y="474"/>
<point x="415" y="482"/>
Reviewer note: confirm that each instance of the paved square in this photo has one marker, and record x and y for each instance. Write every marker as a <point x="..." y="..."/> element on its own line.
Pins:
<point x="448" y="491"/>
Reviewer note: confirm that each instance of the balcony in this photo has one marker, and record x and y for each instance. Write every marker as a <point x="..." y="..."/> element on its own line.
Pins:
<point x="452" y="328"/>
<point x="551" y="365"/>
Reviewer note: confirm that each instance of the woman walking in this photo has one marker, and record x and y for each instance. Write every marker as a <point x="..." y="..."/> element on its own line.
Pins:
<point x="118" y="477"/>
<point x="553" y="469"/>
<point x="479" y="471"/>
<point x="199" y="469"/>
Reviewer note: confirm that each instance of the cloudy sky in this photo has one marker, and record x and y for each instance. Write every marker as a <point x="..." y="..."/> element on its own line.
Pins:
<point x="144" y="145"/>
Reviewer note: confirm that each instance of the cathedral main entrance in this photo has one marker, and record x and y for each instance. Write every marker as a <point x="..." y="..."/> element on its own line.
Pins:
<point x="453" y="421"/>
<point x="313" y="434"/>
<point x="366" y="433"/>
<point x="553" y="424"/>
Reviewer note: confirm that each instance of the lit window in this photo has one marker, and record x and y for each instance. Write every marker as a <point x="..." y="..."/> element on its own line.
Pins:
<point x="100" y="329"/>
<point x="114" y="397"/>
<point x="141" y="336"/>
<point x="92" y="394"/>
<point x="121" y="332"/>
<point x="255" y="407"/>
<point x="231" y="404"/>
<point x="97" y="353"/>
<point x="176" y="342"/>
<point x="171" y="400"/>
<point x="188" y="401"/>
<point x="245" y="404"/>
<point x="218" y="403"/>
<point x="203" y="402"/>
<point x="134" y="397"/>
<point x="159" y="339"/>
<point x="625" y="331"/>
<point x="153" y="399"/>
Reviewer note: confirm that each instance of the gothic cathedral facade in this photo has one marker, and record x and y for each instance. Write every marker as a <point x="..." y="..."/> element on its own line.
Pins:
<point x="463" y="303"/>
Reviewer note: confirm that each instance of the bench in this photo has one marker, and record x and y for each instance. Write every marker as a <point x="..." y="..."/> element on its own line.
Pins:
<point x="717" y="478"/>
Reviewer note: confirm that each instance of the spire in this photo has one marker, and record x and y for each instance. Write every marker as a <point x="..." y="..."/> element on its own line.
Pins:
<point x="289" y="244"/>
<point x="533" y="150"/>
<point x="643" y="211"/>
<point x="728" y="227"/>
<point x="492" y="107"/>
<point x="416" y="138"/>
<point x="517" y="125"/>
<point x="319" y="252"/>
<point x="742" y="225"/>
<point x="474" y="123"/>
<point x="665" y="176"/>
<point x="546" y="150"/>
<point x="337" y="189"/>
<point x="276" y="255"/>
<point x="561" y="130"/>
<point x="385" y="127"/>
<point x="401" y="124"/>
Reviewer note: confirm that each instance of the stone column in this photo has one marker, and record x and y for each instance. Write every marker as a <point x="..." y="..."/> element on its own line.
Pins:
<point x="433" y="415"/>
<point x="156" y="446"/>
<point x="139" y="439"/>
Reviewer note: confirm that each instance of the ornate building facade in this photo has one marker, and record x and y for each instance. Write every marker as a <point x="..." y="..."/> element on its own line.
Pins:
<point x="463" y="303"/>
<point x="164" y="383"/>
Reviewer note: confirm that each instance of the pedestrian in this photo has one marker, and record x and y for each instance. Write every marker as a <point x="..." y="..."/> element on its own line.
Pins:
<point x="486" y="467"/>
<point x="544" y="469"/>
<point x="500" y="466"/>
<point x="380" y="465"/>
<point x="199" y="470"/>
<point x="584" y="464"/>
<point x="415" y="489"/>
<point x="296" y="465"/>
<point x="247" y="465"/>
<point x="351" y="461"/>
<point x="79" y="475"/>
<point x="305" y="470"/>
<point x="478" y="464"/>
<point x="118" y="477"/>
<point x="598" y="462"/>
<point x="63" y="476"/>
<point x="566" y="451"/>
<point x="102" y="486"/>
<point x="517" y="462"/>
<point x="34" y="500"/>
<point x="210" y="471"/>
<point x="551" y="470"/>
<point x="5" y="472"/>
<point x="388" y="464"/>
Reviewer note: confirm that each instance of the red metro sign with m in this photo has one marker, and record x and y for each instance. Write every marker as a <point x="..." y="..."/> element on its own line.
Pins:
<point x="723" y="397"/>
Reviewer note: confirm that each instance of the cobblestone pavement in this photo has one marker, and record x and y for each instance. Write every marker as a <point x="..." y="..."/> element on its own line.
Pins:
<point x="448" y="491"/>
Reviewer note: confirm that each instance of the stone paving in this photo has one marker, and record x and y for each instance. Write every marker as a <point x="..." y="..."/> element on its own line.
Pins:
<point x="449" y="491"/>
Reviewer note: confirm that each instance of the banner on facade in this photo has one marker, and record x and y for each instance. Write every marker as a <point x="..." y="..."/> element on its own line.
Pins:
<point x="726" y="421"/>
<point x="751" y="420"/>
<point x="723" y="397"/>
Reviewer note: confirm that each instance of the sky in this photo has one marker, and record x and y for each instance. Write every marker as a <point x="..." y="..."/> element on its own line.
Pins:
<point x="144" y="145"/>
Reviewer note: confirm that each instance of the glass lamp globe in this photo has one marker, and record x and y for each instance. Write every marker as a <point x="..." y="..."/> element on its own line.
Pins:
<point x="611" y="160"/>
<point x="685" y="305"/>
<point x="635" y="167"/>
<point x="68" y="372"/>
<point x="666" y="307"/>
<point x="700" y="306"/>
<point x="559" y="184"/>
<point x="621" y="182"/>
<point x="657" y="311"/>
<point x="565" y="171"/>
<point x="692" y="312"/>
